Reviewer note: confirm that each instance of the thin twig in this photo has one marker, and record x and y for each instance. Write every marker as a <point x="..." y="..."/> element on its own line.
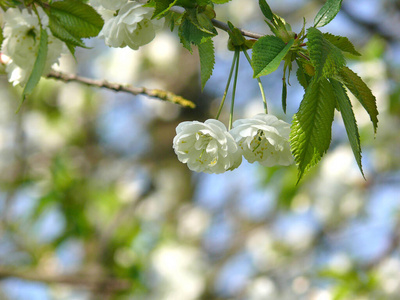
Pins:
<point x="237" y="56"/>
<point x="227" y="86"/>
<point x="221" y="25"/>
<point x="259" y="82"/>
<point x="225" y="27"/>
<point x="155" y="93"/>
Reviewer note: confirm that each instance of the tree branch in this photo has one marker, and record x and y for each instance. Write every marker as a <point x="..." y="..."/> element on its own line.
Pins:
<point x="155" y="93"/>
<point x="90" y="282"/>
<point x="221" y="25"/>
<point x="225" y="27"/>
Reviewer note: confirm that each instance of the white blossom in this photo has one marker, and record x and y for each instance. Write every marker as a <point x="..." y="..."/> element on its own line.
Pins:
<point x="206" y="147"/>
<point x="265" y="139"/>
<point x="109" y="4"/>
<point x="131" y="27"/>
<point x="21" y="43"/>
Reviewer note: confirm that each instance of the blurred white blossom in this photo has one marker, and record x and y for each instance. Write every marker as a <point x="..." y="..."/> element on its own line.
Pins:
<point x="261" y="288"/>
<point x="206" y="147"/>
<point x="131" y="27"/>
<point x="21" y="44"/>
<point x="388" y="273"/>
<point x="178" y="273"/>
<point x="265" y="139"/>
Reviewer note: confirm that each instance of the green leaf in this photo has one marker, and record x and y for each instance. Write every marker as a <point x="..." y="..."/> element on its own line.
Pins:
<point x="284" y="95"/>
<point x="362" y="92"/>
<point x="281" y="23"/>
<point x="184" y="3"/>
<point x="327" y="12"/>
<point x="302" y="76"/>
<point x="343" y="43"/>
<point x="59" y="31"/>
<point x="207" y="61"/>
<point x="266" y="10"/>
<point x="220" y="1"/>
<point x="268" y="53"/>
<point x="312" y="125"/>
<point x="205" y="23"/>
<point x="1" y="36"/>
<point x="161" y="7"/>
<point x="38" y="66"/>
<point x="236" y="37"/>
<point x="202" y="2"/>
<point x="190" y="34"/>
<point x="79" y="19"/>
<point x="327" y="59"/>
<point x="201" y="21"/>
<point x="349" y="120"/>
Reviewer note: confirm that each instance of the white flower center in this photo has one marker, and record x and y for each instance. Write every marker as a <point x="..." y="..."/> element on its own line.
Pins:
<point x="204" y="143"/>
<point x="259" y="145"/>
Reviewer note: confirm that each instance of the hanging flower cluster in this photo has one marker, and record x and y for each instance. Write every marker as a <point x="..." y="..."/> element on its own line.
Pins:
<point x="126" y="23"/>
<point x="21" y="44"/>
<point x="209" y="147"/>
<point x="34" y="34"/>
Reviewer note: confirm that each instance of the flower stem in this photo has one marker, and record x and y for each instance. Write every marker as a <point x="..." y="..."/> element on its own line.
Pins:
<point x="259" y="83"/>
<point x="227" y="86"/>
<point x="237" y="55"/>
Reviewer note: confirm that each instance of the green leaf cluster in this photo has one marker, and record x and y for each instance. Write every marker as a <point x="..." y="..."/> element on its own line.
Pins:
<point x="325" y="77"/>
<point x="323" y="73"/>
<point x="270" y="50"/>
<point x="196" y="28"/>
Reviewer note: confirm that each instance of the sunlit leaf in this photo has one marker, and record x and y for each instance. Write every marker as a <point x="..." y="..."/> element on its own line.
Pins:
<point x="268" y="52"/>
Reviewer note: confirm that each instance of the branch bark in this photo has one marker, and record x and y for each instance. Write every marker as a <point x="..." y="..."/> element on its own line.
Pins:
<point x="90" y="282"/>
<point x="155" y="93"/>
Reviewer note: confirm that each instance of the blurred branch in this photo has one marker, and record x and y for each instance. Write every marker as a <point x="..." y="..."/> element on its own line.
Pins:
<point x="221" y="25"/>
<point x="155" y="93"/>
<point x="90" y="282"/>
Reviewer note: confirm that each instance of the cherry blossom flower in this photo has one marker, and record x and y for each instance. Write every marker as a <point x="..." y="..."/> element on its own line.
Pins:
<point x="206" y="147"/>
<point x="263" y="138"/>
<point x="131" y="27"/>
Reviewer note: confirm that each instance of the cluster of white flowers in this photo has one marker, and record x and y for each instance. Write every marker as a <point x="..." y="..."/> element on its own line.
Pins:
<point x="209" y="147"/>
<point x="127" y="23"/>
<point x="21" y="44"/>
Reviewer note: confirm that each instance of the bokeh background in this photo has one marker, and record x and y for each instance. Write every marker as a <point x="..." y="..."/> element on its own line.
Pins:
<point x="95" y="205"/>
